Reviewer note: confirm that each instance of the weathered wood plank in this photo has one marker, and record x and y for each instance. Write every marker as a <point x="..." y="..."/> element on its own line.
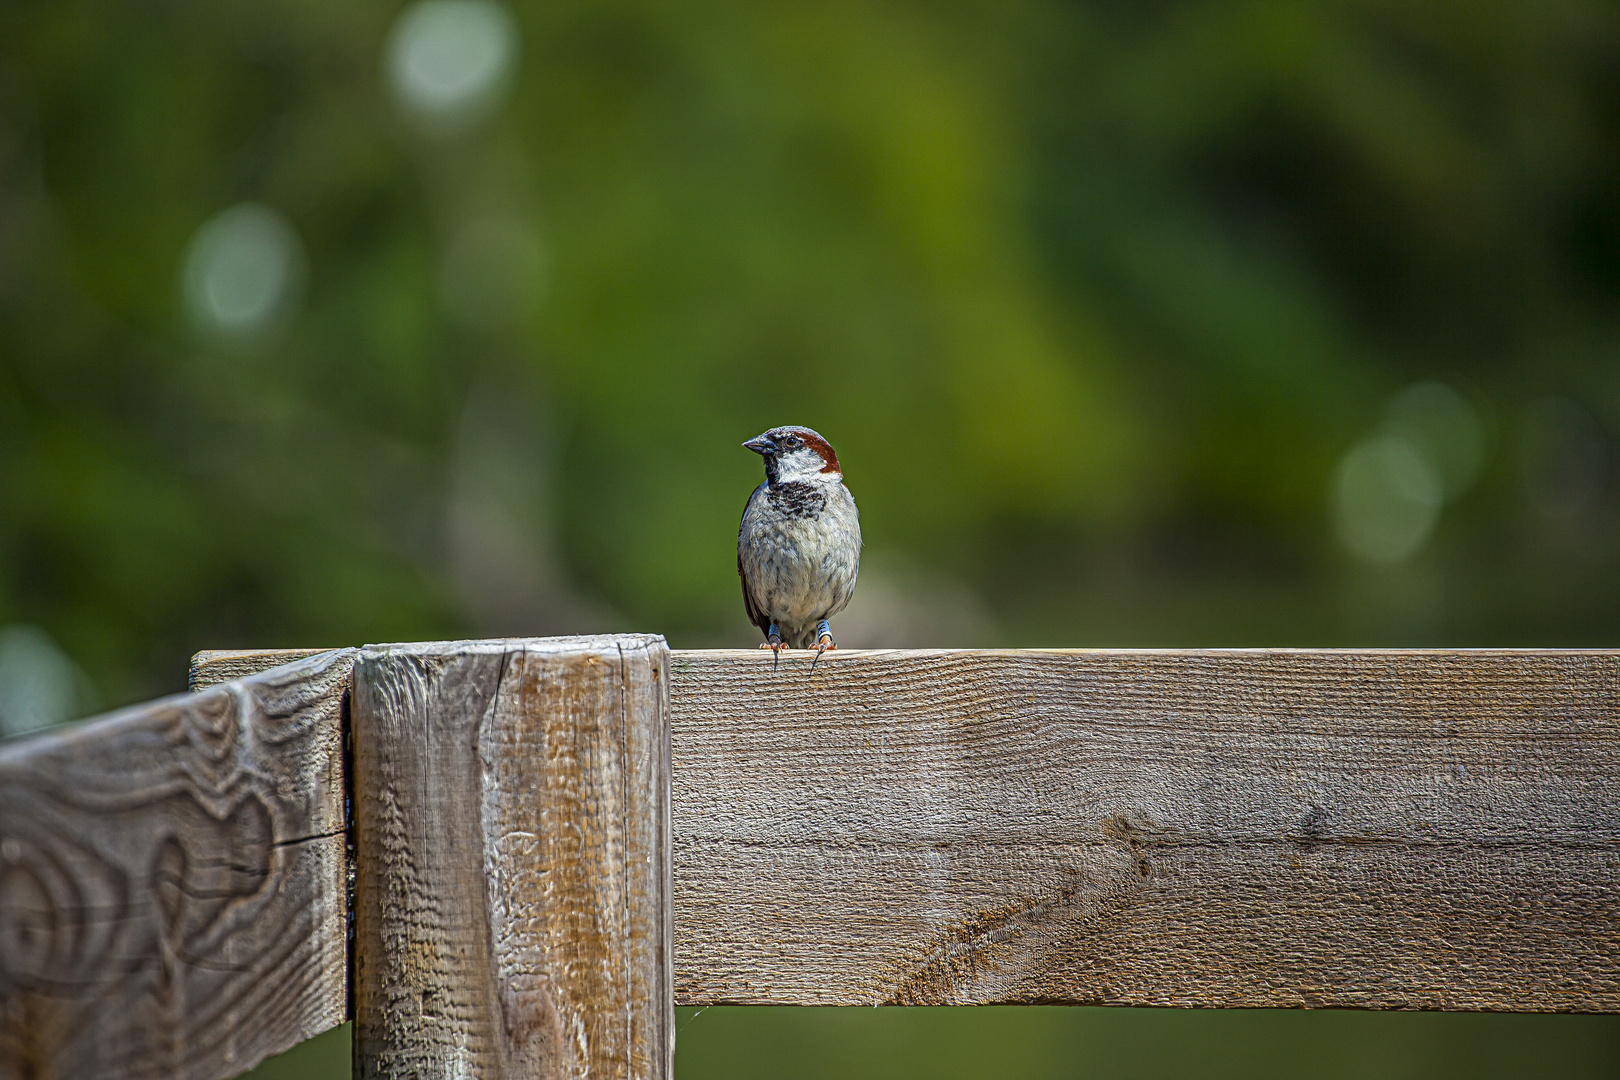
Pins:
<point x="1436" y="830"/>
<point x="214" y="666"/>
<point x="1424" y="829"/>
<point x="172" y="882"/>
<point x="512" y="890"/>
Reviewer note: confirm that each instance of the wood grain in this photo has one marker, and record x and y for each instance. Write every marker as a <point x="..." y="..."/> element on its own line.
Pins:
<point x="214" y="666"/>
<point x="512" y="879"/>
<point x="172" y="882"/>
<point x="1424" y="829"/>
<point x="1436" y="830"/>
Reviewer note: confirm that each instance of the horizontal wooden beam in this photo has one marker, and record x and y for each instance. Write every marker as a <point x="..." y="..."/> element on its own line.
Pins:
<point x="173" y="882"/>
<point x="1436" y="830"/>
<point x="1368" y="829"/>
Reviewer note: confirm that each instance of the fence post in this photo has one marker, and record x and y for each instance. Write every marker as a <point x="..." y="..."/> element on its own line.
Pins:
<point x="512" y="912"/>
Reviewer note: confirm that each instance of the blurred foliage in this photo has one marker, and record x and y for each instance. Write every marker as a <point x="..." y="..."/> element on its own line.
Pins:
<point x="1091" y="297"/>
<point x="1052" y="1043"/>
<point x="1110" y="309"/>
<point x="1046" y="1043"/>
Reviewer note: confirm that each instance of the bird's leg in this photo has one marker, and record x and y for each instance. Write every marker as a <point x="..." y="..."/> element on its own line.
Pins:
<point x="775" y="644"/>
<point x="824" y="640"/>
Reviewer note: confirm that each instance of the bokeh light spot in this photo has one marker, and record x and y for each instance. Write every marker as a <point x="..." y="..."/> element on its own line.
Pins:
<point x="40" y="685"/>
<point x="1386" y="499"/>
<point x="449" y="59"/>
<point x="241" y="270"/>
<point x="1441" y="423"/>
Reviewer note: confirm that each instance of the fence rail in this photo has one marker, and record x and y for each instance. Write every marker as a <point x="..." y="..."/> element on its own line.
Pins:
<point x="1370" y="829"/>
<point x="173" y="882"/>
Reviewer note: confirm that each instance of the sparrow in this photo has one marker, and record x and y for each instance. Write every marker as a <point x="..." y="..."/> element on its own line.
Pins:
<point x="799" y="544"/>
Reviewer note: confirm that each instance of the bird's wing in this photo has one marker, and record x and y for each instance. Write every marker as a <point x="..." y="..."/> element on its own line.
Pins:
<point x="754" y="616"/>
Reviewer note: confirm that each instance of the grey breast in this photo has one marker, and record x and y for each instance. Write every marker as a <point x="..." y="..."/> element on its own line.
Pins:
<point x="800" y="546"/>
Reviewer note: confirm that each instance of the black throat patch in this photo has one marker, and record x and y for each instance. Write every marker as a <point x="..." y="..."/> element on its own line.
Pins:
<point x="796" y="498"/>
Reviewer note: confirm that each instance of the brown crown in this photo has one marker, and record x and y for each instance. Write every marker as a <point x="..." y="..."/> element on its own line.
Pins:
<point x="820" y="446"/>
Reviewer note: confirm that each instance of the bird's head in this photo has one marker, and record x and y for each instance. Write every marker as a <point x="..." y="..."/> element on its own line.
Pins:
<point x="794" y="453"/>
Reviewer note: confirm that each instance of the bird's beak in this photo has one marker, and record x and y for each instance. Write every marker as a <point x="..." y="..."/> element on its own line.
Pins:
<point x="760" y="444"/>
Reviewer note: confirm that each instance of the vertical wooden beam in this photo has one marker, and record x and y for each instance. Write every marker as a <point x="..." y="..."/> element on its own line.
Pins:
<point x="512" y="879"/>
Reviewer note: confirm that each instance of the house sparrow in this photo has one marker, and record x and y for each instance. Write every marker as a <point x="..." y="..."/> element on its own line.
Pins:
<point x="799" y="544"/>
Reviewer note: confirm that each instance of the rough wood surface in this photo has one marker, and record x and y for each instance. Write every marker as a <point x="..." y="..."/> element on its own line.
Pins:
<point x="214" y="666"/>
<point x="512" y="879"/>
<point x="1424" y="829"/>
<point x="1436" y="830"/>
<point x="172" y="882"/>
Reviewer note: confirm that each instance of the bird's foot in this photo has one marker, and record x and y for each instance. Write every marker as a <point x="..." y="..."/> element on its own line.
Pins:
<point x="824" y="641"/>
<point x="774" y="642"/>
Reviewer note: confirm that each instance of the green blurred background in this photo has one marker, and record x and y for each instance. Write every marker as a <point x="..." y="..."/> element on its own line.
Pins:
<point x="1135" y="324"/>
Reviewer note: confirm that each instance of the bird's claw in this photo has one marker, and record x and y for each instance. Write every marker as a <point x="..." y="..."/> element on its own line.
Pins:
<point x="776" y="645"/>
<point x="824" y="643"/>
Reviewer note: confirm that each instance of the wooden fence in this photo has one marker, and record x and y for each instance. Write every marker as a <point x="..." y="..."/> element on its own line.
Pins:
<point x="545" y="844"/>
